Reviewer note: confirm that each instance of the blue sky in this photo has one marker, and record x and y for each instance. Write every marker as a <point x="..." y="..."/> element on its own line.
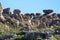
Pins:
<point x="32" y="6"/>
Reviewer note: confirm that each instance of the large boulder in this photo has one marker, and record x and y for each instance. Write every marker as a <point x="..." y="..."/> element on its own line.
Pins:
<point x="7" y="11"/>
<point x="17" y="15"/>
<point x="16" y="11"/>
<point x="48" y="11"/>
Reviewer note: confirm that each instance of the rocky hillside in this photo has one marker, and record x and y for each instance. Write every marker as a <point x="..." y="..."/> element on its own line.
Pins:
<point x="29" y="26"/>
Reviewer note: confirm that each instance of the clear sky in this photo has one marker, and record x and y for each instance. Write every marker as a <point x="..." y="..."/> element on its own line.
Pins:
<point x="32" y="6"/>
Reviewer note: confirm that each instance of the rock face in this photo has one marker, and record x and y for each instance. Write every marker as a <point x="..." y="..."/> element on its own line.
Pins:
<point x="1" y="10"/>
<point x="1" y="16"/>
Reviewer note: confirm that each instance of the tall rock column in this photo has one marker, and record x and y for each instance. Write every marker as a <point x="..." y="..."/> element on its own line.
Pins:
<point x="1" y="10"/>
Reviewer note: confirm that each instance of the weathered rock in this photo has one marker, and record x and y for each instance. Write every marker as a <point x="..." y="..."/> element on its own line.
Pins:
<point x="17" y="15"/>
<point x="1" y="10"/>
<point x="38" y="14"/>
<point x="7" y="11"/>
<point x="8" y="36"/>
<point x="47" y="11"/>
<point x="55" y="23"/>
<point x="2" y="19"/>
<point x="16" y="11"/>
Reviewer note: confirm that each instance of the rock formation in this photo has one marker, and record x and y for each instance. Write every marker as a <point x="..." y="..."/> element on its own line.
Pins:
<point x="1" y="16"/>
